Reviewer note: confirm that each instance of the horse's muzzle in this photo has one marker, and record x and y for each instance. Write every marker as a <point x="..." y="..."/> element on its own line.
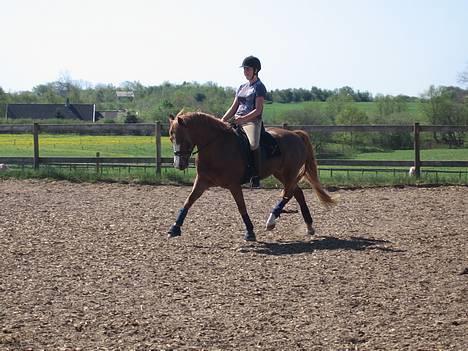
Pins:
<point x="181" y="162"/>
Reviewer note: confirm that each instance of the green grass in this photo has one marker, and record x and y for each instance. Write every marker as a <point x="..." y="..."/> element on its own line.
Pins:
<point x="21" y="145"/>
<point x="408" y="155"/>
<point x="172" y="176"/>
<point x="108" y="174"/>
<point x="274" y="110"/>
<point x="144" y="146"/>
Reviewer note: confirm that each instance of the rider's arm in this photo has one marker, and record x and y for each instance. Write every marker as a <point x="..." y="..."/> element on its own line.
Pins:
<point x="232" y="110"/>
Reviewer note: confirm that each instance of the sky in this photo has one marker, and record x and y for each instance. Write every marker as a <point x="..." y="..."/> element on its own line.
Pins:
<point x="381" y="46"/>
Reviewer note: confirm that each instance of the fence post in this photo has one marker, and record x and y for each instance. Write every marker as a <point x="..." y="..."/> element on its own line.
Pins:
<point x="36" y="145"/>
<point x="157" y="133"/>
<point x="98" y="162"/>
<point x="417" y="151"/>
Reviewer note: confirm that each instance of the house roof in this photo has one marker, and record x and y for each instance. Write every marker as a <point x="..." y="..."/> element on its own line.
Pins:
<point x="84" y="112"/>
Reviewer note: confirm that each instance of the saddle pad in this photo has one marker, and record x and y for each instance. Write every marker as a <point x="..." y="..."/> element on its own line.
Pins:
<point x="268" y="144"/>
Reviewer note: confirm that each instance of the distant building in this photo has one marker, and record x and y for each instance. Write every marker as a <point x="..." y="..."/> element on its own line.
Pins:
<point x="125" y="94"/>
<point x="84" y="112"/>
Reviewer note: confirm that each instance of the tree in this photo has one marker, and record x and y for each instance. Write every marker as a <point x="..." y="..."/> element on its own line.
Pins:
<point x="348" y="91"/>
<point x="463" y="77"/>
<point x="337" y="103"/>
<point x="447" y="106"/>
<point x="352" y="115"/>
<point x="363" y="96"/>
<point x="388" y="105"/>
<point x="200" y="97"/>
<point x="131" y="117"/>
<point x="3" y="102"/>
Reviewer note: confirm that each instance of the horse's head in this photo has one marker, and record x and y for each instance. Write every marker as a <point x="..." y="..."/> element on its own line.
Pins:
<point x="181" y="141"/>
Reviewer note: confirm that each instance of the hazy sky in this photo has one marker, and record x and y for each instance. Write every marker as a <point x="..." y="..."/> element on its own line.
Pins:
<point x="389" y="47"/>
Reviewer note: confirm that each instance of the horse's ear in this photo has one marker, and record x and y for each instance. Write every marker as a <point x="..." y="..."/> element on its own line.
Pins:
<point x="181" y="121"/>
<point x="181" y="112"/>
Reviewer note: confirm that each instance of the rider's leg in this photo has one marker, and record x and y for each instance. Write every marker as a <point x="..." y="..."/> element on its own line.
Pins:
<point x="253" y="130"/>
<point x="257" y="163"/>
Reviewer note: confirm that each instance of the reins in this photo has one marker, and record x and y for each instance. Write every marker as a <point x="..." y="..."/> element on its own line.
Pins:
<point x="201" y="147"/>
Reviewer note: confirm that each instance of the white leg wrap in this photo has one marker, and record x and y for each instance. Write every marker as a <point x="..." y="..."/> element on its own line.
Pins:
<point x="271" y="222"/>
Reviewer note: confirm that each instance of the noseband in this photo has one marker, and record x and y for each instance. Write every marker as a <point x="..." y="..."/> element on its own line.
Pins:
<point x="184" y="153"/>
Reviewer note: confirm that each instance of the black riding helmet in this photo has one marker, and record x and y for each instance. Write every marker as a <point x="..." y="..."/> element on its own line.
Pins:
<point x="253" y="62"/>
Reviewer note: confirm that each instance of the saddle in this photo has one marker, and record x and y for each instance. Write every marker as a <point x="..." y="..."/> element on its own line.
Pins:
<point x="268" y="146"/>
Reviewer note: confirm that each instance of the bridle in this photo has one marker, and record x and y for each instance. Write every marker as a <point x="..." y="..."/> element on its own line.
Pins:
<point x="184" y="153"/>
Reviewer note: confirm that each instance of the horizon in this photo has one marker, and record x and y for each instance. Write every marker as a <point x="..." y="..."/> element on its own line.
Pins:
<point x="395" y="48"/>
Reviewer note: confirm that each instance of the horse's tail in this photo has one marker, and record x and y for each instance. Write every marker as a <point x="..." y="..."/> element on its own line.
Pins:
<point x="310" y="171"/>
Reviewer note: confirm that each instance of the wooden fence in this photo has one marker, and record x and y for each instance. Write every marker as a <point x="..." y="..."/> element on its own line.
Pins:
<point x="159" y="162"/>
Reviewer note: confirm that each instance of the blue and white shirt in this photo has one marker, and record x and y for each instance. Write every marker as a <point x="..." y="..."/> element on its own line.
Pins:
<point x="246" y="95"/>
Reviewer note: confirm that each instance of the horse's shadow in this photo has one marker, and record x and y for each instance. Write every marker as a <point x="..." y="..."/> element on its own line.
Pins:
<point x="322" y="243"/>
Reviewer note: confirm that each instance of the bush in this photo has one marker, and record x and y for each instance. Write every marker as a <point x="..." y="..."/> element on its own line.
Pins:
<point x="131" y="117"/>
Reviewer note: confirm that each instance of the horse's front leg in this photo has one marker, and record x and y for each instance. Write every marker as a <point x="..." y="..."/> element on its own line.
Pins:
<point x="198" y="189"/>
<point x="239" y="198"/>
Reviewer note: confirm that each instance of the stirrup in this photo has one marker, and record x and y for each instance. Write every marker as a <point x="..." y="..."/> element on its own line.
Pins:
<point x="255" y="182"/>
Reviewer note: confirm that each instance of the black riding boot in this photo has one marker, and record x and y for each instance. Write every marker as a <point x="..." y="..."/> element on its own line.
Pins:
<point x="257" y="159"/>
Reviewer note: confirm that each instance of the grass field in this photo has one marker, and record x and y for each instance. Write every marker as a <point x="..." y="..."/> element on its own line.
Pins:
<point x="144" y="146"/>
<point x="272" y="111"/>
<point x="79" y="145"/>
<point x="426" y="155"/>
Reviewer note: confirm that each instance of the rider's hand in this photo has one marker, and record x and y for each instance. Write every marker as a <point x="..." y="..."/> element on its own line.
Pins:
<point x="238" y="119"/>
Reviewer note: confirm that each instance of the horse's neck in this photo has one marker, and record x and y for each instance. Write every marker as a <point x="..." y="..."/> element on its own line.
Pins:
<point x="203" y="133"/>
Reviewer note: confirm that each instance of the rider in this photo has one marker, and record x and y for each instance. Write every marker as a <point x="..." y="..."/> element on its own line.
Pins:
<point x="247" y="109"/>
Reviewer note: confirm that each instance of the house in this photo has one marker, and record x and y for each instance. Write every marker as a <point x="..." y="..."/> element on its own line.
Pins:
<point x="84" y="112"/>
<point x="125" y="94"/>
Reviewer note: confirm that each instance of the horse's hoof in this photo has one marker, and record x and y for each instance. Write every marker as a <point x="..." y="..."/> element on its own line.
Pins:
<point x="271" y="222"/>
<point x="250" y="236"/>
<point x="310" y="231"/>
<point x="174" y="231"/>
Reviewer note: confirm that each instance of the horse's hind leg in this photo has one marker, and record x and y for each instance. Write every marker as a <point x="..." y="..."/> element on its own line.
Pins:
<point x="276" y="212"/>
<point x="299" y="196"/>
<point x="198" y="189"/>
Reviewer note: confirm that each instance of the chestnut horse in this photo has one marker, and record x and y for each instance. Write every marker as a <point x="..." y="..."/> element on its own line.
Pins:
<point x="221" y="163"/>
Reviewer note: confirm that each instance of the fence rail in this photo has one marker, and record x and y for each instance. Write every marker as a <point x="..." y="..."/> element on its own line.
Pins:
<point x="149" y="128"/>
<point x="160" y="162"/>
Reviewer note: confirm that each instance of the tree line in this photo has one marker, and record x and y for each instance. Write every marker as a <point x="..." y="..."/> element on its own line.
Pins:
<point x="440" y="105"/>
<point x="151" y="101"/>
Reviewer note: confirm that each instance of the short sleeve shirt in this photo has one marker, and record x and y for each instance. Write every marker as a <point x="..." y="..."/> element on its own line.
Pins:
<point x="246" y="95"/>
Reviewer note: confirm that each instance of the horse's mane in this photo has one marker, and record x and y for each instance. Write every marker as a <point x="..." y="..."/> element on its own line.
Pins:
<point x="206" y="120"/>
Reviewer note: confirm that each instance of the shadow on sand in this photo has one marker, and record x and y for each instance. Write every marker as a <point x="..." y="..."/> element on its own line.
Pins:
<point x="321" y="243"/>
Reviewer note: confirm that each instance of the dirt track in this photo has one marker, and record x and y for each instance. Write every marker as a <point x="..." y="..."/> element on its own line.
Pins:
<point x="89" y="267"/>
